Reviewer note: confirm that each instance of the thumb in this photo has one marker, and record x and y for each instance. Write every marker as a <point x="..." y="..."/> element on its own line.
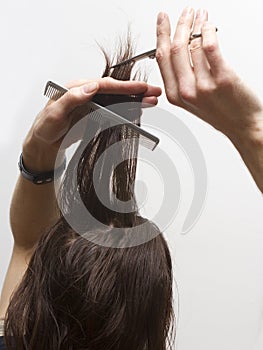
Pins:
<point x="76" y="97"/>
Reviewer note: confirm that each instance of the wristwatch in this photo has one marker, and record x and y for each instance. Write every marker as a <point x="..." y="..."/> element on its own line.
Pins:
<point x="41" y="178"/>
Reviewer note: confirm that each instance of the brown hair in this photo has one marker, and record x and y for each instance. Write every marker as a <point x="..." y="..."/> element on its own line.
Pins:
<point x="77" y="294"/>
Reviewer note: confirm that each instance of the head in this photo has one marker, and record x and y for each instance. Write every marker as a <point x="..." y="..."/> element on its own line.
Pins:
<point x="80" y="295"/>
<point x="80" y="291"/>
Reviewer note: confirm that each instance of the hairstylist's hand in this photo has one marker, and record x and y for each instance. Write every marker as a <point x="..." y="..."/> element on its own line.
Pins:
<point x="197" y="78"/>
<point x="42" y="143"/>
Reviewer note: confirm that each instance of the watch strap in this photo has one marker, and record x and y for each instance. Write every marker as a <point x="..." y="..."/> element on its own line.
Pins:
<point x="41" y="178"/>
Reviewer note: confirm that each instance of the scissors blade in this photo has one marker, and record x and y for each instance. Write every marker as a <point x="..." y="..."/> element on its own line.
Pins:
<point x="152" y="53"/>
<point x="149" y="54"/>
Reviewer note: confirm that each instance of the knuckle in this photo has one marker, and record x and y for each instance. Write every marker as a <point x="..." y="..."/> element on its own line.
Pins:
<point x="186" y="94"/>
<point x="52" y="115"/>
<point x="227" y="78"/>
<point x="52" y="118"/>
<point x="49" y="112"/>
<point x="176" y="47"/>
<point x="175" y="100"/>
<point x="36" y="131"/>
<point x="204" y="87"/>
<point x="172" y="96"/>
<point x="224" y="82"/>
<point x="160" y="54"/>
<point x="161" y="32"/>
<point x="210" y="47"/>
<point x="72" y="98"/>
<point x="172" y="99"/>
<point x="71" y="94"/>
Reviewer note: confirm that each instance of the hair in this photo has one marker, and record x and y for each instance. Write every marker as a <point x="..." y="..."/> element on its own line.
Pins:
<point x="78" y="294"/>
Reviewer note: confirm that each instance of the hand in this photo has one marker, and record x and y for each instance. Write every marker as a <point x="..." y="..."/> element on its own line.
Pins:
<point x="42" y="143"/>
<point x="197" y="78"/>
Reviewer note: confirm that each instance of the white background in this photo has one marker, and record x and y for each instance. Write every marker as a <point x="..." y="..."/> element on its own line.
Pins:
<point x="218" y="266"/>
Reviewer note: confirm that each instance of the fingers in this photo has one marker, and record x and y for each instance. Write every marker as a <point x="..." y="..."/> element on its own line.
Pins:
<point x="188" y="69"/>
<point x="112" y="86"/>
<point x="211" y="49"/>
<point x="53" y="122"/>
<point x="82" y="91"/>
<point x="75" y="97"/>
<point x="163" y="54"/>
<point x="152" y="91"/>
<point x="200" y="64"/>
<point x="149" y="101"/>
<point x="179" y="49"/>
<point x="60" y="114"/>
<point x="173" y="57"/>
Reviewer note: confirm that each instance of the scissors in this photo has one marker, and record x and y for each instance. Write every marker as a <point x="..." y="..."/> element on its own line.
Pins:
<point x="151" y="54"/>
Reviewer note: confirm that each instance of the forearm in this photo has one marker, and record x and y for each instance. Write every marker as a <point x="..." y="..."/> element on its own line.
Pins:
<point x="33" y="207"/>
<point x="250" y="146"/>
<point x="212" y="90"/>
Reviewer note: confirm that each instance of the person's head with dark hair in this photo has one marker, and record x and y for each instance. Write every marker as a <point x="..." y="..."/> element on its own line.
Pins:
<point x="81" y="294"/>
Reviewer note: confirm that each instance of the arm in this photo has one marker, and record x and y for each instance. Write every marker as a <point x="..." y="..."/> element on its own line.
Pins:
<point x="198" y="79"/>
<point x="34" y="207"/>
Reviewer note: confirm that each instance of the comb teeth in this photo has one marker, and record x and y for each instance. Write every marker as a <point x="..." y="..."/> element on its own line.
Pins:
<point x="100" y="117"/>
<point x="54" y="91"/>
<point x="99" y="113"/>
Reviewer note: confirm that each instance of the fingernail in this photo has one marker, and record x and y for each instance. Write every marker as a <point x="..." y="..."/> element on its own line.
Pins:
<point x="161" y="18"/>
<point x="89" y="88"/>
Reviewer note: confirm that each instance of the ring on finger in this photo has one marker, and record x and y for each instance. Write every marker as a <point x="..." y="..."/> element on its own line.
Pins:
<point x="195" y="36"/>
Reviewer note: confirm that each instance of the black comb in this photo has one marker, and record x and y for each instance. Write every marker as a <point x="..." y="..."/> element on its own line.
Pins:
<point x="98" y="113"/>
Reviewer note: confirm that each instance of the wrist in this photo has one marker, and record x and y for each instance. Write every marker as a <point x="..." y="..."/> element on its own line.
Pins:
<point x="40" y="157"/>
<point x="43" y="177"/>
<point x="249" y="144"/>
<point x="248" y="138"/>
